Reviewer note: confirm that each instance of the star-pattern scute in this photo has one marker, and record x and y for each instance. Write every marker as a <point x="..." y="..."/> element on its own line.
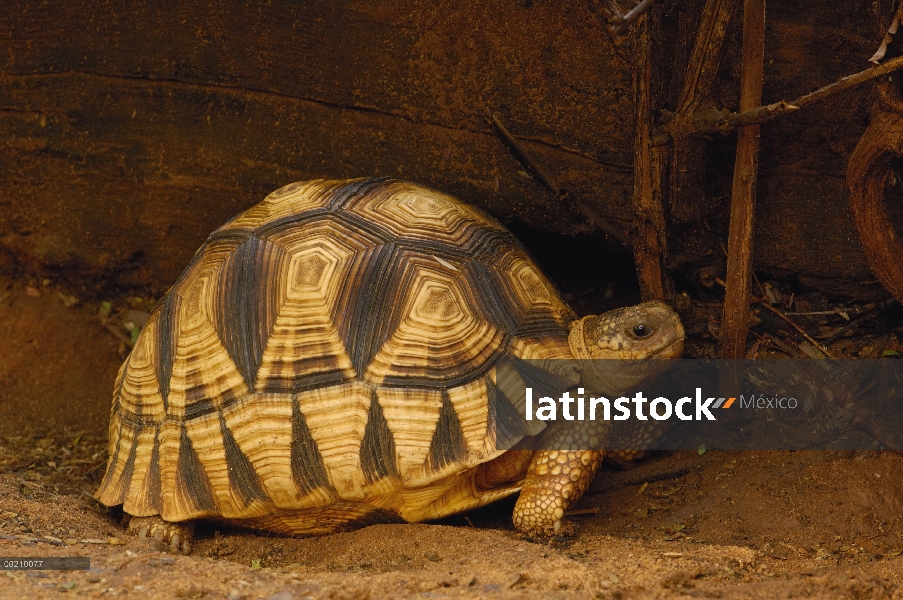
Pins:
<point x="312" y="297"/>
<point x="415" y="214"/>
<point x="437" y="332"/>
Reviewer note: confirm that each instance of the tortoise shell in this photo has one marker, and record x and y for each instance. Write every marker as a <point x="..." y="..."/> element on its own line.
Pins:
<point x="331" y="357"/>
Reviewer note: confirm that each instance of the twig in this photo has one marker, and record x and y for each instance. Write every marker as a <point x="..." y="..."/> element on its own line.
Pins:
<point x="533" y="168"/>
<point x="620" y="24"/>
<point x="706" y="121"/>
<point x="536" y="170"/>
<point x="850" y="81"/>
<point x="36" y="487"/>
<point x="581" y="511"/>
<point x="848" y="326"/>
<point x="799" y="329"/>
<point x="630" y="481"/>
<point x="735" y="325"/>
<point x="762" y="292"/>
<point x="708" y="304"/>
<point x="709" y="121"/>
<point x="860" y="319"/>
<point x="596" y="219"/>
<point x="124" y="563"/>
<point x="770" y="339"/>
<point x="705" y="57"/>
<point x="754" y="349"/>
<point x="607" y="12"/>
<point x="815" y="313"/>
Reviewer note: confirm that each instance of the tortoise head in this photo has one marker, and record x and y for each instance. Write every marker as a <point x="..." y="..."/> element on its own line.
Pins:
<point x="640" y="334"/>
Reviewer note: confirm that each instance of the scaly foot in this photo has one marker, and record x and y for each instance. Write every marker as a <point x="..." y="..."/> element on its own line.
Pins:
<point x="177" y="536"/>
<point x="555" y="480"/>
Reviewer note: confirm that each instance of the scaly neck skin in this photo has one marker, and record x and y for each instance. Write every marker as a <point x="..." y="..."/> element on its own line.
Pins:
<point x="577" y="341"/>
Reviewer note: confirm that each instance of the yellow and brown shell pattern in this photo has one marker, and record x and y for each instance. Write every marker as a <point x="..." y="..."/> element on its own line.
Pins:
<point x="331" y="357"/>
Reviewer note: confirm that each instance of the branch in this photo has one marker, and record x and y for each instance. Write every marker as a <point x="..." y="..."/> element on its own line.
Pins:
<point x="710" y="121"/>
<point x="684" y="163"/>
<point x="620" y="24"/>
<point x="650" y="241"/>
<point x="705" y="57"/>
<point x="867" y="173"/>
<point x="735" y="325"/>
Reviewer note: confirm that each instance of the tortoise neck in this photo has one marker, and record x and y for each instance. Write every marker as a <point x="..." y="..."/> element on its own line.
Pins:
<point x="577" y="341"/>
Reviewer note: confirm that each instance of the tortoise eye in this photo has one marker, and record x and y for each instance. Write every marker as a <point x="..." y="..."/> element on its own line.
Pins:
<point x="642" y="331"/>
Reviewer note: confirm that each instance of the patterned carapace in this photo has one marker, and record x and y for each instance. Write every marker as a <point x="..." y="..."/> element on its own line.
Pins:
<point x="333" y="352"/>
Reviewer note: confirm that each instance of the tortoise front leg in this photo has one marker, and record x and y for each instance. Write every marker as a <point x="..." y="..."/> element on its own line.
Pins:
<point x="555" y="480"/>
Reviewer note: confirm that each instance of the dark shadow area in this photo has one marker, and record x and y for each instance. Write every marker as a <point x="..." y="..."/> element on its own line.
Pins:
<point x="593" y="274"/>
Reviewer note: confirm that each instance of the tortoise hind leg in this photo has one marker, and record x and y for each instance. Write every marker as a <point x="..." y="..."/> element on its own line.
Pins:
<point x="178" y="536"/>
<point x="555" y="480"/>
<point x="510" y="467"/>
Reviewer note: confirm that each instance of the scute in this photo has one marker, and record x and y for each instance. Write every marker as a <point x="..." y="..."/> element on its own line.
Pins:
<point x="436" y="331"/>
<point x="312" y="304"/>
<point x="138" y="394"/>
<point x="414" y="213"/>
<point x="288" y="201"/>
<point x="339" y="350"/>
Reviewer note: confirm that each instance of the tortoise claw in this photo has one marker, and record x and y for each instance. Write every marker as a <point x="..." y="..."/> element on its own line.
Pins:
<point x="176" y="537"/>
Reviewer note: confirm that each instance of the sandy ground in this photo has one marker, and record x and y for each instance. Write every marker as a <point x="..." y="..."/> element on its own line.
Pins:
<point x="716" y="525"/>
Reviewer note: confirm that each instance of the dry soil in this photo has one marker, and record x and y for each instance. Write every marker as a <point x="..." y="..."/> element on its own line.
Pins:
<point x="716" y="525"/>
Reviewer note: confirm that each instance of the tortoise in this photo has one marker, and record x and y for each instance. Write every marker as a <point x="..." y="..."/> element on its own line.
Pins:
<point x="334" y="357"/>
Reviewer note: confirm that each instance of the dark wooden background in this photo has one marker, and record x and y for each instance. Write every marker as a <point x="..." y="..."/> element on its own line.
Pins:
<point x="130" y="130"/>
